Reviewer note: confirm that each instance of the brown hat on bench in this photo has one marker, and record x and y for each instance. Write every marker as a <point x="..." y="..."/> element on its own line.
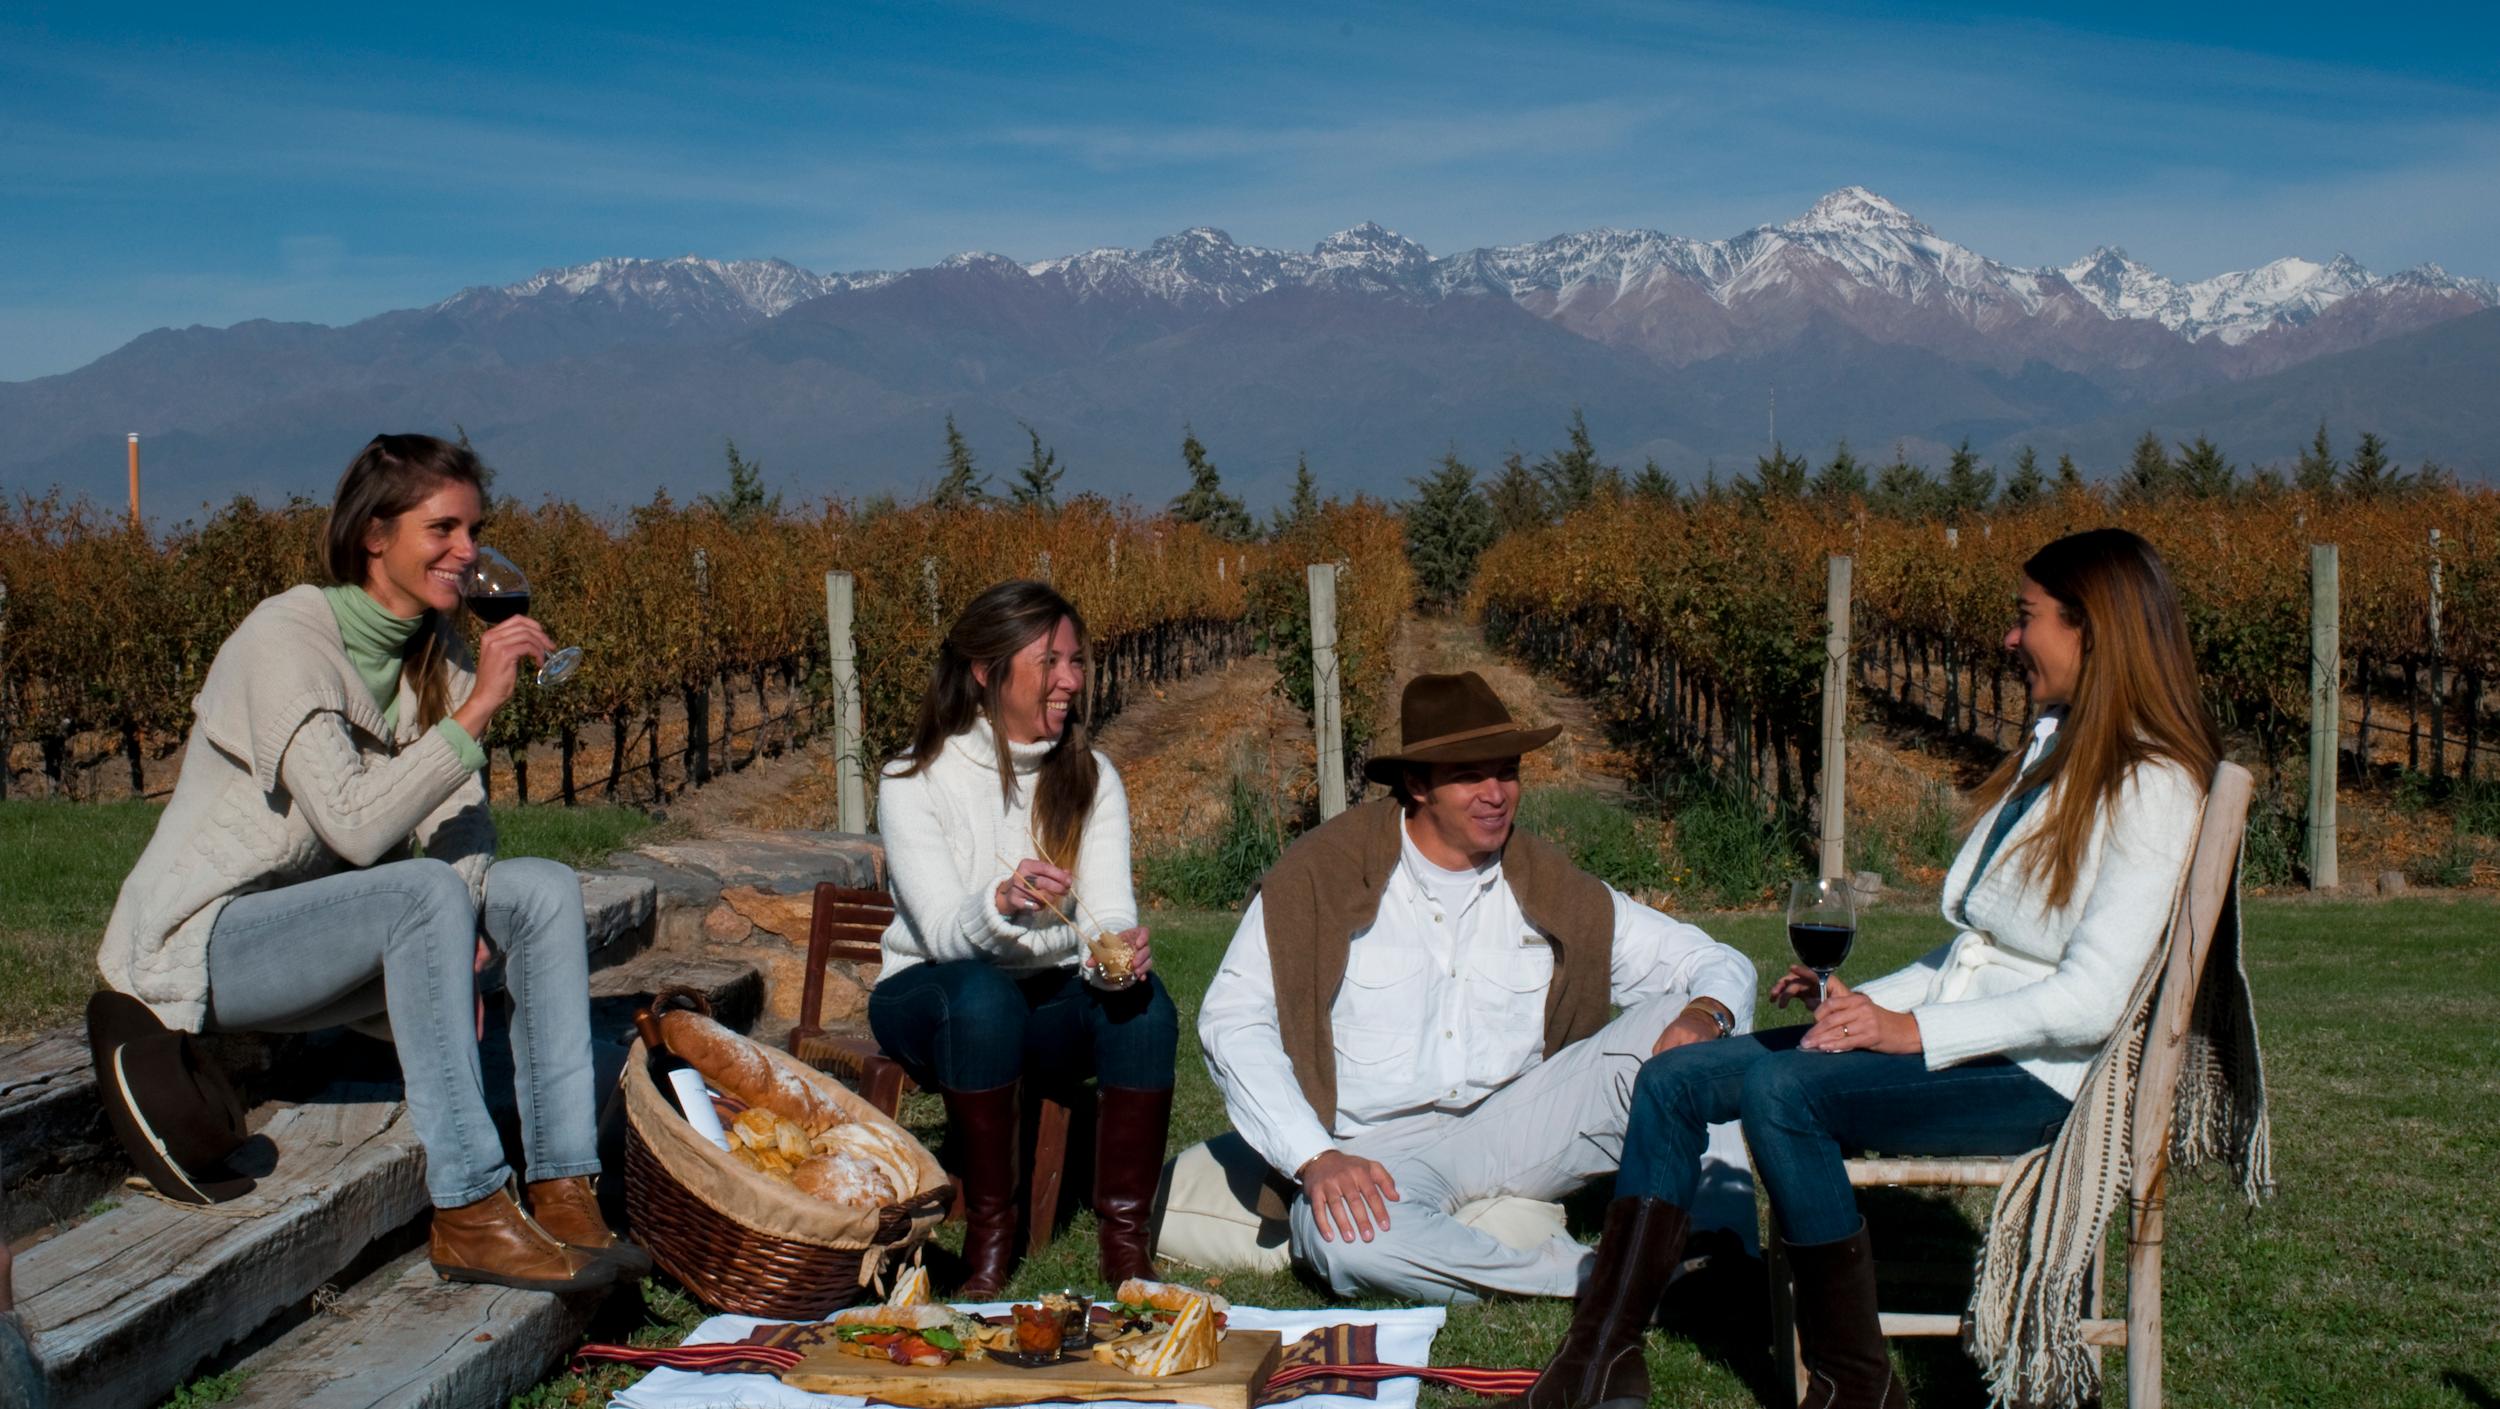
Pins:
<point x="176" y="1116"/>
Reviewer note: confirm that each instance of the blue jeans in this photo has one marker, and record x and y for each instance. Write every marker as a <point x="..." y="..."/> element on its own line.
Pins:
<point x="1804" y="1112"/>
<point x="971" y="1026"/>
<point x="402" y="938"/>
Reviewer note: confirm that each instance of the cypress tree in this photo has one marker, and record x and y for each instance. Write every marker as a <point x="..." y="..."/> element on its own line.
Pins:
<point x="1967" y="487"/>
<point x="1574" y="477"/>
<point x="1842" y="478"/>
<point x="1904" y="490"/>
<point x="1651" y="485"/>
<point x="1448" y="527"/>
<point x="2148" y="474"/>
<point x="2026" y="485"/>
<point x="2316" y="469"/>
<point x="1778" y="475"/>
<point x="2202" y="473"/>
<point x="2069" y="479"/>
<point x="961" y="484"/>
<point x="745" y="501"/>
<point x="1037" y="484"/>
<point x="1205" y="503"/>
<point x="2371" y="475"/>
<point x="1302" y="506"/>
<point x="1518" y="498"/>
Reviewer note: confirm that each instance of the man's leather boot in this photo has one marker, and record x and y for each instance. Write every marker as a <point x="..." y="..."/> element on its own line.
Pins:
<point x="1129" y="1129"/>
<point x="1838" y="1333"/>
<point x="492" y="1241"/>
<point x="981" y="1134"/>
<point x="569" y="1210"/>
<point x="1600" y="1365"/>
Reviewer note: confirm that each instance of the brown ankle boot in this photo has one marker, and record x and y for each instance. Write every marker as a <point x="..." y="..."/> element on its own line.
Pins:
<point x="1839" y="1335"/>
<point x="1129" y="1130"/>
<point x="1599" y="1364"/>
<point x="569" y="1210"/>
<point x="492" y="1241"/>
<point x="981" y="1133"/>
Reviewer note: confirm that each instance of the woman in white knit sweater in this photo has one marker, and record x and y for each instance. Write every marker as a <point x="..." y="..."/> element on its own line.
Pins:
<point x="1007" y="840"/>
<point x="337" y="728"/>
<point x="2058" y="898"/>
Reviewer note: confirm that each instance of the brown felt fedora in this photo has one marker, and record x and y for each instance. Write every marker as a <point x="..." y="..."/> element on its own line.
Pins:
<point x="1453" y="719"/>
<point x="174" y="1113"/>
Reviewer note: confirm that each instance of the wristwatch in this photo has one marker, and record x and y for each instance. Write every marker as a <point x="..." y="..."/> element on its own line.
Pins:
<point x="1725" y="1024"/>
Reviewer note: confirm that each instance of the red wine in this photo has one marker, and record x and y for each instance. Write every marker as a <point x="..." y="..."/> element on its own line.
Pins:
<point x="1821" y="947"/>
<point x="495" y="608"/>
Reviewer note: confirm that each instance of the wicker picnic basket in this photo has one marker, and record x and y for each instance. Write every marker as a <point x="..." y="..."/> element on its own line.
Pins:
<point x="746" y="1243"/>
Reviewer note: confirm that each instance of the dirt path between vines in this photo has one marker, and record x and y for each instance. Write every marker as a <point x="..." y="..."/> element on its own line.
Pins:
<point x="1582" y="757"/>
<point x="1177" y="751"/>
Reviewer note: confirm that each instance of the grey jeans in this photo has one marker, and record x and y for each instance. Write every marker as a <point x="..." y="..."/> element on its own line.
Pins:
<point x="402" y="938"/>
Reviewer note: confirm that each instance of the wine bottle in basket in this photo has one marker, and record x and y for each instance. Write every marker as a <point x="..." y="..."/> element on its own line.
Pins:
<point x="678" y="1077"/>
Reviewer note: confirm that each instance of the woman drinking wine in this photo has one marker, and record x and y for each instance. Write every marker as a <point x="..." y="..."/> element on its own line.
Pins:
<point x="2059" y="897"/>
<point x="337" y="728"/>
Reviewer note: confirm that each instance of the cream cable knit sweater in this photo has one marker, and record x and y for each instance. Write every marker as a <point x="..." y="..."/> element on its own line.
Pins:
<point x="945" y="829"/>
<point x="289" y="774"/>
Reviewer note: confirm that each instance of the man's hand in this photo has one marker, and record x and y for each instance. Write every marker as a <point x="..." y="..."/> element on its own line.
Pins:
<point x="1848" y="1023"/>
<point x="1356" y="1192"/>
<point x="1689" y="1027"/>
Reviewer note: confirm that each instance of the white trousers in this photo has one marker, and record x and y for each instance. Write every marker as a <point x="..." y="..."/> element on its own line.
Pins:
<point x="1544" y="1136"/>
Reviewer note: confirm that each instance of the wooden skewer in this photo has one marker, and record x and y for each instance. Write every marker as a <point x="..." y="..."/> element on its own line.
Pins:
<point x="1062" y="916"/>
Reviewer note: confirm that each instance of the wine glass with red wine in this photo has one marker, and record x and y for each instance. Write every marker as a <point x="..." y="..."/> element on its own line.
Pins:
<point x="1822" y="924"/>
<point x="497" y="591"/>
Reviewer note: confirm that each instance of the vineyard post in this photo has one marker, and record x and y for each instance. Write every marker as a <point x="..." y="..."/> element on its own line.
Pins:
<point x="1327" y="722"/>
<point x="851" y="786"/>
<point x="2326" y="711"/>
<point x="7" y="715"/>
<point x="2439" y="676"/>
<point x="1834" y="761"/>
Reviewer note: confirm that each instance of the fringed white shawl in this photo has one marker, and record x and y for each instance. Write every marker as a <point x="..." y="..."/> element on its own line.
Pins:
<point x="2025" y="1325"/>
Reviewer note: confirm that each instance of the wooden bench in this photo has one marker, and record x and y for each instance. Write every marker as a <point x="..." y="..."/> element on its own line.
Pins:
<point x="849" y="924"/>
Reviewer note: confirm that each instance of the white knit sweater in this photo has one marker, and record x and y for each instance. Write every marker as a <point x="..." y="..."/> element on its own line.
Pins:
<point x="289" y="774"/>
<point x="946" y="830"/>
<point x="2045" y="987"/>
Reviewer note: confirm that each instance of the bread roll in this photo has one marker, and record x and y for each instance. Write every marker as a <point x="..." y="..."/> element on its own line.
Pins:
<point x="734" y="1065"/>
<point x="844" y="1179"/>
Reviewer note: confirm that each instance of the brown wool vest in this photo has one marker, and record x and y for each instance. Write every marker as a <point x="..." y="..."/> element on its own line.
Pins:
<point x="1326" y="889"/>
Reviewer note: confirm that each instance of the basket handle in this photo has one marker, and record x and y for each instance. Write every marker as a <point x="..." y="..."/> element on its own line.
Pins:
<point x="898" y="1218"/>
<point x="674" y="998"/>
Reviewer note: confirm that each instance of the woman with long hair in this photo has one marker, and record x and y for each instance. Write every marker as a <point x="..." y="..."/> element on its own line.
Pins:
<point x="1007" y="841"/>
<point x="2059" y="896"/>
<point x="336" y="730"/>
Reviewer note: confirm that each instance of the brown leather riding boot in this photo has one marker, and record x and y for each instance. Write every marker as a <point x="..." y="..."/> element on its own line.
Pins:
<point x="492" y="1241"/>
<point x="1838" y="1333"/>
<point x="981" y="1133"/>
<point x="1129" y="1130"/>
<point x="1599" y="1364"/>
<point x="569" y="1210"/>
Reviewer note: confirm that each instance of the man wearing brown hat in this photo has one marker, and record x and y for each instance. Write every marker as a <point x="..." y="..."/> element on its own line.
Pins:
<point x="1418" y="1013"/>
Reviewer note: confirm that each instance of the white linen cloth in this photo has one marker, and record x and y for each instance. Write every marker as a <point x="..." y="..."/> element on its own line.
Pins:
<point x="1405" y="1339"/>
<point x="1440" y="1008"/>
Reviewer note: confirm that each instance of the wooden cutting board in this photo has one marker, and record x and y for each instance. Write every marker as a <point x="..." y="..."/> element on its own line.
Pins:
<point x="1243" y="1361"/>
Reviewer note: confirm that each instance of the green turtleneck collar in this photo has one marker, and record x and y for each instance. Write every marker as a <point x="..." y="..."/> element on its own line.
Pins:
<point x="376" y="643"/>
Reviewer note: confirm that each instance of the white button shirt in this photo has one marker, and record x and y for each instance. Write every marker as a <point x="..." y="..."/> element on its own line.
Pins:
<point x="1438" y="1010"/>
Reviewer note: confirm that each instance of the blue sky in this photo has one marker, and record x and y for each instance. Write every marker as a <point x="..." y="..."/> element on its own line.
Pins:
<point x="167" y="166"/>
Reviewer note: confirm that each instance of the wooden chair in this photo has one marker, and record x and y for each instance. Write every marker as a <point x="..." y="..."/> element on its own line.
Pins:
<point x="846" y="923"/>
<point x="2210" y="875"/>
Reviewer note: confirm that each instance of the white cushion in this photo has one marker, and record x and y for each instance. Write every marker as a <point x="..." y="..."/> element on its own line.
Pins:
<point x="1210" y="1215"/>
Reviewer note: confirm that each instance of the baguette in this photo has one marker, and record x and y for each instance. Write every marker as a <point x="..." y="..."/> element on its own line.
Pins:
<point x="737" y="1067"/>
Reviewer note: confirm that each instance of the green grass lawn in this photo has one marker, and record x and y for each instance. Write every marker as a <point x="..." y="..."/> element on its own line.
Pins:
<point x="2371" y="1280"/>
<point x="62" y="864"/>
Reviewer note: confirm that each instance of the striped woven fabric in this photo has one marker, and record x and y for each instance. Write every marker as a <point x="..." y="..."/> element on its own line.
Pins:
<point x="734" y="1358"/>
<point x="1342" y="1359"/>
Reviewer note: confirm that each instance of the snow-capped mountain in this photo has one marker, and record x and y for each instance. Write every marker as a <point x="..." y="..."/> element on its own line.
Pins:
<point x="1851" y="243"/>
<point x="687" y="285"/>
